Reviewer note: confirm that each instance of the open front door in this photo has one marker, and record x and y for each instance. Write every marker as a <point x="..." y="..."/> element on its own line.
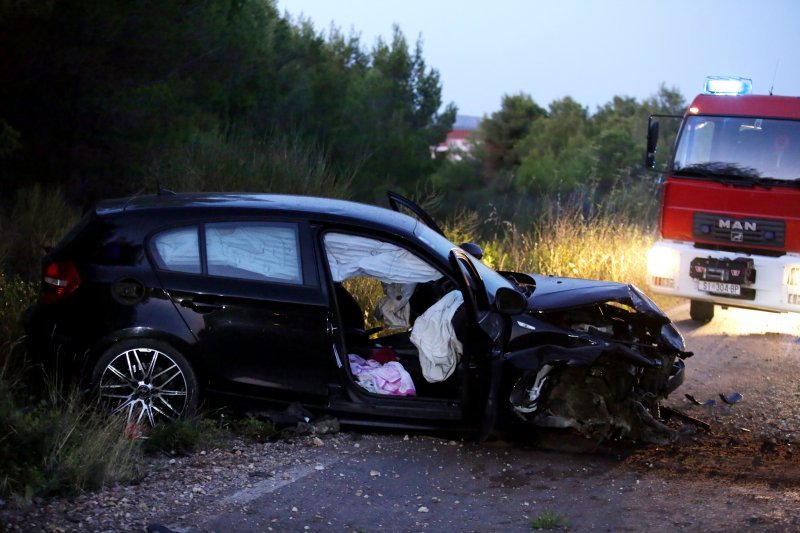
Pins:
<point x="483" y="349"/>
<point x="401" y="203"/>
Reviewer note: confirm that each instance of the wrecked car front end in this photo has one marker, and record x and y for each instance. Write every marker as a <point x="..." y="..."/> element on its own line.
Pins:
<point x="594" y="356"/>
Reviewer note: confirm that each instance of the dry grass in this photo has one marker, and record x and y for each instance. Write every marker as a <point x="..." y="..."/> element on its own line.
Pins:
<point x="60" y="445"/>
<point x="569" y="245"/>
<point x="601" y="247"/>
<point x="38" y="217"/>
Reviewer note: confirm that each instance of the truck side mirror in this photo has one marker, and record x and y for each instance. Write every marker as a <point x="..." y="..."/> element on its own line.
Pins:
<point x="652" y="142"/>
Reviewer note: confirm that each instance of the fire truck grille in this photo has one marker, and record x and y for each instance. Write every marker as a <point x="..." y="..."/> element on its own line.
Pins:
<point x="739" y="231"/>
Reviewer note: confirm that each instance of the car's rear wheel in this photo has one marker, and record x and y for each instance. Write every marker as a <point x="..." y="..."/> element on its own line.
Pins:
<point x="148" y="381"/>
<point x="701" y="311"/>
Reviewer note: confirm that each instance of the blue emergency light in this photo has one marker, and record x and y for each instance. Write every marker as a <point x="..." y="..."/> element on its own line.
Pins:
<point x="728" y="85"/>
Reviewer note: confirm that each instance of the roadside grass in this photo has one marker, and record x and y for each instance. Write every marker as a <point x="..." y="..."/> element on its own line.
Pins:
<point x="15" y="296"/>
<point x="550" y="520"/>
<point x="570" y="244"/>
<point x="237" y="161"/>
<point x="564" y="243"/>
<point x="186" y="436"/>
<point x="60" y="445"/>
<point x="36" y="217"/>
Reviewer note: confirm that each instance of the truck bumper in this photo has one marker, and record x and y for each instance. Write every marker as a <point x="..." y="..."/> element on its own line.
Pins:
<point x="776" y="286"/>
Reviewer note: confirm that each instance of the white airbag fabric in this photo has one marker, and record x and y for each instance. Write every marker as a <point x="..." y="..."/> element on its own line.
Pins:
<point x="393" y="309"/>
<point x="350" y="256"/>
<point x="269" y="251"/>
<point x="434" y="336"/>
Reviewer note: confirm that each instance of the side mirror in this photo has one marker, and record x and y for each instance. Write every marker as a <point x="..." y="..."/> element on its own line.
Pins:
<point x="473" y="249"/>
<point x="652" y="143"/>
<point x="510" y="302"/>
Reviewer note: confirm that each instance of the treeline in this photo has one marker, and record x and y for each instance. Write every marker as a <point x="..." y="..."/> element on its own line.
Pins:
<point x="106" y="97"/>
<point x="103" y="98"/>
<point x="526" y="157"/>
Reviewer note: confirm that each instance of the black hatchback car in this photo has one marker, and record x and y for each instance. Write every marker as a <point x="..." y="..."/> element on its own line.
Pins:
<point x="266" y="300"/>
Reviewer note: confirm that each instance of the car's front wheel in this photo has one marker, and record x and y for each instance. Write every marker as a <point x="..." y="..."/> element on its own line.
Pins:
<point x="148" y="381"/>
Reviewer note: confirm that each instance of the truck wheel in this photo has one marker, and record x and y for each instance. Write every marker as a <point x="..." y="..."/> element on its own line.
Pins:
<point x="701" y="311"/>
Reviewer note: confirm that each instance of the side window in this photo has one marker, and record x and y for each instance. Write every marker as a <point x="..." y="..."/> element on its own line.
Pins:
<point x="378" y="276"/>
<point x="254" y="250"/>
<point x="178" y="250"/>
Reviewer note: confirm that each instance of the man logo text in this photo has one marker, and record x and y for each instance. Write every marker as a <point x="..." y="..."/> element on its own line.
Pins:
<point x="736" y="224"/>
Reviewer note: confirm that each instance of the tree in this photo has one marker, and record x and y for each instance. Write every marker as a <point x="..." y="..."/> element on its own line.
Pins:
<point x="558" y="154"/>
<point x="96" y="93"/>
<point x="501" y="132"/>
<point x="391" y="119"/>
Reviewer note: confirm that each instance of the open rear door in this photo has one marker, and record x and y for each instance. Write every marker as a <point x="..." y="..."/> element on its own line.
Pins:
<point x="401" y="204"/>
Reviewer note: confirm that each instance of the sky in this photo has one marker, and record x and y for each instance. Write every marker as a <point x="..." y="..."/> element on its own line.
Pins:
<point x="589" y="50"/>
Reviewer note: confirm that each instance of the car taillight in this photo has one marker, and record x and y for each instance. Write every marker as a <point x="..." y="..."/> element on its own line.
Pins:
<point x="58" y="281"/>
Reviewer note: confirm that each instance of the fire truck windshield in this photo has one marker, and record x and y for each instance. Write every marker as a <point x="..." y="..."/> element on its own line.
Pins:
<point x="739" y="149"/>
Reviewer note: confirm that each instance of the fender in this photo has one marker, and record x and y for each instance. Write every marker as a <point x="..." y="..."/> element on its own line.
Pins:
<point x="537" y="356"/>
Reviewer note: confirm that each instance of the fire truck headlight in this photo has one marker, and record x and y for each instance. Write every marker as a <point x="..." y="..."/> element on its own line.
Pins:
<point x="793" y="278"/>
<point x="663" y="265"/>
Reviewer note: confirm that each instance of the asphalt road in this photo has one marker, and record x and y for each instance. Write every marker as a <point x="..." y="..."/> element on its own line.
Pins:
<point x="393" y="482"/>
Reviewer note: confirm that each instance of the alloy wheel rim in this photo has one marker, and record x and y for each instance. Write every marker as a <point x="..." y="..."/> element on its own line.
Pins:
<point x="145" y="384"/>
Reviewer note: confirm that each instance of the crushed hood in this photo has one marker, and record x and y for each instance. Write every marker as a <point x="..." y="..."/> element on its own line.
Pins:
<point x="554" y="293"/>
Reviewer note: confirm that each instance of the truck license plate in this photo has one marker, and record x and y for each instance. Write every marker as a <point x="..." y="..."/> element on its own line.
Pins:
<point x="720" y="288"/>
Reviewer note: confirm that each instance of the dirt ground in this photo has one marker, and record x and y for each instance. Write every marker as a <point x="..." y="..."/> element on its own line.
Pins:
<point x="742" y="473"/>
<point x="755" y="357"/>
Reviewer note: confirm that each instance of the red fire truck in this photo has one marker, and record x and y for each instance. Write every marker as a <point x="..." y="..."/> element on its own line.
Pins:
<point x="729" y="219"/>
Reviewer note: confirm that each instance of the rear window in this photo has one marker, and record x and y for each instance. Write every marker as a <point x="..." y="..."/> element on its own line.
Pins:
<point x="178" y="250"/>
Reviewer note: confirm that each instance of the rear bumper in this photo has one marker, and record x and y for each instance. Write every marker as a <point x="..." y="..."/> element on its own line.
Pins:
<point x="776" y="286"/>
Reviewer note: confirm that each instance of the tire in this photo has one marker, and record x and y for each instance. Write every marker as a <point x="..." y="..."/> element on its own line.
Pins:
<point x="148" y="380"/>
<point x="701" y="311"/>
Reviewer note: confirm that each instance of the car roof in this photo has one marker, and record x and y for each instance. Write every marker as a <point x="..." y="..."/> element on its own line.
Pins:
<point x="310" y="206"/>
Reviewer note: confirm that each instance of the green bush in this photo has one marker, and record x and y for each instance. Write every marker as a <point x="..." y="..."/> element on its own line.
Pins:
<point x="61" y="447"/>
<point x="549" y="519"/>
<point x="38" y="217"/>
<point x="253" y="428"/>
<point x="15" y="296"/>
<point x="183" y="436"/>
<point x="237" y="162"/>
<point x="51" y="443"/>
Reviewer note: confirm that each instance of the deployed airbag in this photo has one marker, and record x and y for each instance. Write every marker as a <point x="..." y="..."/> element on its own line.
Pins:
<point x="393" y="309"/>
<point x="434" y="336"/>
<point x="351" y="256"/>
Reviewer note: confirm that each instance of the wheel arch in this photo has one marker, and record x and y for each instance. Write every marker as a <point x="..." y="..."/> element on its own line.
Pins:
<point x="185" y="347"/>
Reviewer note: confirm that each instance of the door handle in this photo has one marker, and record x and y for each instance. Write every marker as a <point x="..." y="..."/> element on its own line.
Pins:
<point x="200" y="307"/>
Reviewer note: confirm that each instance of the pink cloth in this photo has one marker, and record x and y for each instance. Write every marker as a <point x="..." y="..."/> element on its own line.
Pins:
<point x="390" y="378"/>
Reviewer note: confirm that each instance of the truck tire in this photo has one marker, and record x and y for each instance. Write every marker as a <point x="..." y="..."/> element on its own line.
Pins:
<point x="701" y="311"/>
